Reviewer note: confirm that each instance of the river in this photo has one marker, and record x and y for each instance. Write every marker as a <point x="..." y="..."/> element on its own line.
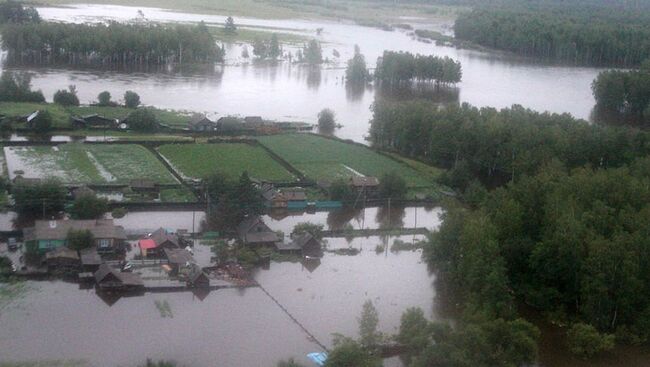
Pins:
<point x="294" y="92"/>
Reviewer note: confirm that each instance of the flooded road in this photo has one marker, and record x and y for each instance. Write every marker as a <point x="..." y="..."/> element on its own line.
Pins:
<point x="294" y="92"/>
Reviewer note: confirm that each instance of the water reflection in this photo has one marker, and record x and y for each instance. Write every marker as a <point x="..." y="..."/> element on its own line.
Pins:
<point x="443" y="94"/>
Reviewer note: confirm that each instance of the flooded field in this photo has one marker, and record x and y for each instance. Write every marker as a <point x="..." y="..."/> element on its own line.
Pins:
<point x="293" y="92"/>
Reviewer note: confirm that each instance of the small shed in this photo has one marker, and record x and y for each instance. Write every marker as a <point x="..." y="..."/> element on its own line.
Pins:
<point x="367" y="184"/>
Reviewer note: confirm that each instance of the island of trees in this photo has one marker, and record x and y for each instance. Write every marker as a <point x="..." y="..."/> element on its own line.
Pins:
<point x="624" y="94"/>
<point x="580" y="33"/>
<point x="395" y="68"/>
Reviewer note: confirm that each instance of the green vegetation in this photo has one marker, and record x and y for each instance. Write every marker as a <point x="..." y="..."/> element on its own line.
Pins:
<point x="92" y="163"/>
<point x="270" y="48"/>
<point x="13" y="110"/>
<point x="202" y="160"/>
<point x="312" y="53"/>
<point x="17" y="87"/>
<point x="625" y="93"/>
<point x="131" y="99"/>
<point x="143" y="120"/>
<point x="322" y="158"/>
<point x="313" y="229"/>
<point x="357" y="71"/>
<point x="584" y="340"/>
<point x="395" y="68"/>
<point x="326" y="120"/>
<point x="67" y="97"/>
<point x="14" y="12"/>
<point x="88" y="207"/>
<point x="39" y="200"/>
<point x="393" y="186"/>
<point x="230" y="201"/>
<point x="600" y="33"/>
<point x="177" y="195"/>
<point x="79" y="239"/>
<point x="109" y="44"/>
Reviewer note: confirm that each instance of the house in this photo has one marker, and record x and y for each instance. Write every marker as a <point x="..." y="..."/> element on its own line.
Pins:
<point x="367" y="185"/>
<point x="109" y="278"/>
<point x="272" y="197"/>
<point x="180" y="260"/>
<point x="254" y="232"/>
<point x="90" y="260"/>
<point x="47" y="235"/>
<point x="200" y="123"/>
<point x="159" y="240"/>
<point x="63" y="259"/>
<point x="304" y="244"/>
<point x="197" y="278"/>
<point x="93" y="121"/>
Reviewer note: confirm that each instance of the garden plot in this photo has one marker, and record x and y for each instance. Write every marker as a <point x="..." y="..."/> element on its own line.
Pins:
<point x="322" y="158"/>
<point x="87" y="163"/>
<point x="231" y="159"/>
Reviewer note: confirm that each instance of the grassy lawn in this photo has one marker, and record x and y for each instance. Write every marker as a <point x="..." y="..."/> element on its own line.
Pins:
<point x="60" y="118"/>
<point x="321" y="158"/>
<point x="201" y="160"/>
<point x="85" y="163"/>
<point x="178" y="195"/>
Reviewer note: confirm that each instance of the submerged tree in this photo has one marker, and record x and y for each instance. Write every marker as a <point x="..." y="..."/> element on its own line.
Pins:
<point x="357" y="72"/>
<point x="230" y="26"/>
<point x="327" y="120"/>
<point x="16" y="87"/>
<point x="312" y="53"/>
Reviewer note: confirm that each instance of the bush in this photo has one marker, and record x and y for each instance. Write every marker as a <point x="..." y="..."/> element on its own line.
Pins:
<point x="119" y="213"/>
<point x="89" y="207"/>
<point x="17" y="88"/>
<point x="326" y="119"/>
<point x="341" y="191"/>
<point x="104" y="99"/>
<point x="143" y="119"/>
<point x="43" y="122"/>
<point x="67" y="97"/>
<point x="315" y="230"/>
<point x="131" y="99"/>
<point x="79" y="239"/>
<point x="585" y="341"/>
<point x="347" y="353"/>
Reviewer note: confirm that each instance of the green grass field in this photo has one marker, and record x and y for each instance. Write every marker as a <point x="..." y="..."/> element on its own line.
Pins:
<point x="201" y="160"/>
<point x="322" y="158"/>
<point x="88" y="164"/>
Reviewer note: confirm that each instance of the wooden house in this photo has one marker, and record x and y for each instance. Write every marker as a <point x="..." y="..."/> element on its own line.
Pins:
<point x="109" y="278"/>
<point x="155" y="244"/>
<point x="179" y="260"/>
<point x="47" y="235"/>
<point x="63" y="260"/>
<point x="200" y="123"/>
<point x="304" y="244"/>
<point x="197" y="278"/>
<point x="93" y="121"/>
<point x="254" y="232"/>
<point x="90" y="260"/>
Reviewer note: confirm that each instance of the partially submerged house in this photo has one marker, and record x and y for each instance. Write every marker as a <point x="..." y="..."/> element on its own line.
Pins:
<point x="109" y="278"/>
<point x="47" y="235"/>
<point x="200" y="123"/>
<point x="63" y="259"/>
<point x="254" y="232"/>
<point x="304" y="244"/>
<point x="197" y="278"/>
<point x="292" y="198"/>
<point x="90" y="260"/>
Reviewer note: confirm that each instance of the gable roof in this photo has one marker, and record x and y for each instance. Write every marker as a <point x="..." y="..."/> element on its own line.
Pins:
<point x="90" y="257"/>
<point x="147" y="243"/>
<point x="200" y="119"/>
<point x="161" y="236"/>
<point x="294" y="194"/>
<point x="58" y="229"/>
<point x="178" y="256"/>
<point x="254" y="230"/>
<point x="125" y="278"/>
<point x="62" y="252"/>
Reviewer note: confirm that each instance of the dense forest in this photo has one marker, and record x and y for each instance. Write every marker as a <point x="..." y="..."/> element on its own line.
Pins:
<point x="498" y="146"/>
<point x="396" y="68"/>
<point x="587" y="35"/>
<point x="565" y="228"/>
<point x="111" y="44"/>
<point x="624" y="93"/>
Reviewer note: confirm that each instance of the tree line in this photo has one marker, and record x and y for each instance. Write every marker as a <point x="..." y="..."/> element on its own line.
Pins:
<point x="574" y="34"/>
<point x="396" y="68"/>
<point x="109" y="44"/>
<point x="624" y="93"/>
<point x="15" y="12"/>
<point x="497" y="146"/>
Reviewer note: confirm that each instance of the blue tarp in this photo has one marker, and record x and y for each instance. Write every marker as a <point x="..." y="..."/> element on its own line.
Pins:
<point x="318" y="358"/>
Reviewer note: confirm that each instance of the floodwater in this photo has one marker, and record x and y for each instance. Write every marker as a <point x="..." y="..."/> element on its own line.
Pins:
<point x="228" y="327"/>
<point x="294" y="92"/>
